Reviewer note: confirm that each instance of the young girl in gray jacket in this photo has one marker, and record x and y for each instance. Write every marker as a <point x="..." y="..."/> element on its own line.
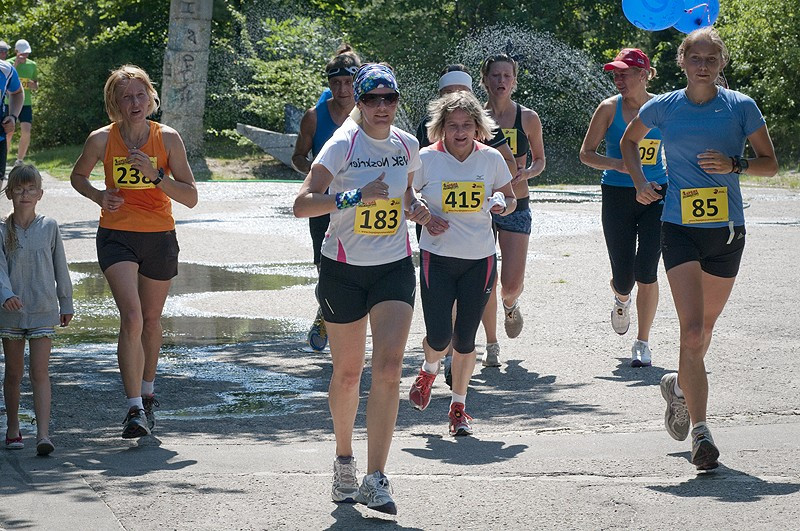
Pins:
<point x="36" y="295"/>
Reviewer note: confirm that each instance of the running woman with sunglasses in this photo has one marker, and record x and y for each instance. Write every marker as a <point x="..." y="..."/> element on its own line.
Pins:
<point x="705" y="128"/>
<point x="316" y="127"/>
<point x="464" y="182"/>
<point x="366" y="273"/>
<point x="625" y="220"/>
<point x="522" y="129"/>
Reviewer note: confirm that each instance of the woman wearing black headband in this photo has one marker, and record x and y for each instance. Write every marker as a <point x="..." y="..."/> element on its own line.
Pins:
<point x="316" y="127"/>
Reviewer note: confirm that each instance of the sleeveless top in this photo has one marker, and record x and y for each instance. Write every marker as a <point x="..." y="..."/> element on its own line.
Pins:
<point x="515" y="136"/>
<point x="325" y="127"/>
<point x="146" y="208"/>
<point x="649" y="151"/>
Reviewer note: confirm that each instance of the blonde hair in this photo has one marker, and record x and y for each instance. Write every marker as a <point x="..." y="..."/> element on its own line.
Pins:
<point x="708" y="34"/>
<point x="118" y="80"/>
<point x="19" y="176"/>
<point x="441" y="108"/>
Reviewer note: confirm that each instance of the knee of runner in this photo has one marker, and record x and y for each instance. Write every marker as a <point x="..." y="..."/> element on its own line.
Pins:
<point x="693" y="338"/>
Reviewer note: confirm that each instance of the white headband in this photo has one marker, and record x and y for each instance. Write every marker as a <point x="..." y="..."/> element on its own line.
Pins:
<point x="455" y="78"/>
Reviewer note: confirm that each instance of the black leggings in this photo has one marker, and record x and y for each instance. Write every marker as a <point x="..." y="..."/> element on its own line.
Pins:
<point x="445" y="280"/>
<point x="625" y="220"/>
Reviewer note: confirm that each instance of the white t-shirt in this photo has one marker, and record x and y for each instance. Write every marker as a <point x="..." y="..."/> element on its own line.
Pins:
<point x="376" y="234"/>
<point x="459" y="192"/>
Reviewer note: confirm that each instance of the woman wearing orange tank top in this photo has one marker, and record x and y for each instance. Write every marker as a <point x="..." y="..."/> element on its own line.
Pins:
<point x="145" y="170"/>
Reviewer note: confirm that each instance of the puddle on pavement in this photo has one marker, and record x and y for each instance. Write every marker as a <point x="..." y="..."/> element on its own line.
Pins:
<point x="193" y="345"/>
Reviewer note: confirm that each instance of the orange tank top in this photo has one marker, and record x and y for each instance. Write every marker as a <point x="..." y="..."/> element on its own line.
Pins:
<point x="146" y="208"/>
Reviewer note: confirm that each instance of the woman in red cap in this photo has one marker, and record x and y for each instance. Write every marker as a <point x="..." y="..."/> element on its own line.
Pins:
<point x="626" y="221"/>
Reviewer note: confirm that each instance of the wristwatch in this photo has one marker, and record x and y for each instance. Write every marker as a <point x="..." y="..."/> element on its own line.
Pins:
<point x="159" y="178"/>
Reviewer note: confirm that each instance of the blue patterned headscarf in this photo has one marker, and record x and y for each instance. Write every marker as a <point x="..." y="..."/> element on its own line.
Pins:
<point x="372" y="76"/>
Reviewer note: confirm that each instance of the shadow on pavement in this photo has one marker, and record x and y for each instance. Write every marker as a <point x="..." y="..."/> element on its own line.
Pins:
<point x="727" y="485"/>
<point x="465" y="450"/>
<point x="350" y="517"/>
<point x="636" y="376"/>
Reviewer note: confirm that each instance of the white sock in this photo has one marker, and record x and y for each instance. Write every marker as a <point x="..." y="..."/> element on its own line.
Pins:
<point x="698" y="424"/>
<point x="148" y="388"/>
<point x="678" y="390"/>
<point x="135" y="402"/>
<point x="509" y="308"/>
<point x="645" y="343"/>
<point x="458" y="398"/>
<point x="624" y="303"/>
<point x="430" y="368"/>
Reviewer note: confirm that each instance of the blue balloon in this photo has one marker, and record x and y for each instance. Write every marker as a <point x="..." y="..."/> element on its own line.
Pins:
<point x="697" y="14"/>
<point x="652" y="15"/>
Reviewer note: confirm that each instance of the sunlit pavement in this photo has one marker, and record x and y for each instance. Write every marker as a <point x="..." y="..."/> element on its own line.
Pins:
<point x="567" y="435"/>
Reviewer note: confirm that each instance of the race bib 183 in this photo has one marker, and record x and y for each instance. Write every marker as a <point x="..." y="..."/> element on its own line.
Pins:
<point x="704" y="205"/>
<point x="128" y="177"/>
<point x="462" y="196"/>
<point x="380" y="218"/>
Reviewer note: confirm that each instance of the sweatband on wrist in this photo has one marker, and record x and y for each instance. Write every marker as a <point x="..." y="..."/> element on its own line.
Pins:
<point x="348" y="199"/>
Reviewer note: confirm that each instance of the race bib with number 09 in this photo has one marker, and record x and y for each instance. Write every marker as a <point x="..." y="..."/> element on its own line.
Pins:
<point x="128" y="177"/>
<point x="380" y="218"/>
<point x="648" y="151"/>
<point x="462" y="196"/>
<point x="704" y="205"/>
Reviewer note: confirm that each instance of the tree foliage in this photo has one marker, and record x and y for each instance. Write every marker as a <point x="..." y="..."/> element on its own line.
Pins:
<point x="268" y="53"/>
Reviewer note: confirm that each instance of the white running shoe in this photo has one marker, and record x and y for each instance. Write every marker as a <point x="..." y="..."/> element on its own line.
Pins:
<point x="704" y="451"/>
<point x="620" y="316"/>
<point x="376" y="493"/>
<point x="640" y="354"/>
<point x="492" y="356"/>
<point x="676" y="417"/>
<point x="345" y="483"/>
<point x="513" y="320"/>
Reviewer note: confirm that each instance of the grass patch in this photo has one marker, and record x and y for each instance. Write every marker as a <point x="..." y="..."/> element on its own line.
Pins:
<point x="227" y="159"/>
<point x="789" y="179"/>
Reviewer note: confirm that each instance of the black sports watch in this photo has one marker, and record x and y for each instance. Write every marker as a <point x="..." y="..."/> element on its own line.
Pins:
<point x="159" y="178"/>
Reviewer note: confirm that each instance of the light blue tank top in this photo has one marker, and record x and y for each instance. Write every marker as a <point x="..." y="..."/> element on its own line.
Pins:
<point x="655" y="171"/>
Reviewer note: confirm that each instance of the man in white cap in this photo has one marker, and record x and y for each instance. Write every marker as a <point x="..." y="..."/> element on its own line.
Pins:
<point x="28" y="76"/>
<point x="4" y="48"/>
<point x="9" y="84"/>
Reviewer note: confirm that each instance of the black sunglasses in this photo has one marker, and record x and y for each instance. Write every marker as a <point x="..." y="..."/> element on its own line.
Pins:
<point x="373" y="100"/>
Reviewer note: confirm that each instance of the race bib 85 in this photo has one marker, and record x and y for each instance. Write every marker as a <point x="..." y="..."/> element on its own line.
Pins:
<point x="704" y="205"/>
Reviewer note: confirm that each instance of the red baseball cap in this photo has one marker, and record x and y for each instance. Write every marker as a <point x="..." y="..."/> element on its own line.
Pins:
<point x="627" y="58"/>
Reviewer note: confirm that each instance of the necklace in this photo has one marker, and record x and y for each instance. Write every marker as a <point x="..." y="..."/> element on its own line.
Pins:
<point x="137" y="142"/>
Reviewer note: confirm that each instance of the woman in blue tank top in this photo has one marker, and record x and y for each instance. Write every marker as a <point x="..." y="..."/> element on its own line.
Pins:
<point x="522" y="129"/>
<point x="316" y="127"/>
<point x="624" y="219"/>
<point x="705" y="128"/>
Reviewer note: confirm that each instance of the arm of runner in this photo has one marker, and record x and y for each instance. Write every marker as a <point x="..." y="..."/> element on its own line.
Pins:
<point x="93" y="150"/>
<point x="311" y="200"/>
<point x="511" y="200"/>
<point x="305" y="141"/>
<point x="508" y="156"/>
<point x="601" y="121"/>
<point x="179" y="186"/>
<point x="416" y="209"/>
<point x="533" y="128"/>
<point x="15" y="102"/>
<point x="629" y="146"/>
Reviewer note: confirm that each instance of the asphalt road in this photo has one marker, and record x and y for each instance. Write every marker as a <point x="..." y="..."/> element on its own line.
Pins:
<point x="567" y="435"/>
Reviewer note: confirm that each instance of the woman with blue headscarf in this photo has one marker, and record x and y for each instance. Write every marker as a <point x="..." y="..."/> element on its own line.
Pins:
<point x="366" y="272"/>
